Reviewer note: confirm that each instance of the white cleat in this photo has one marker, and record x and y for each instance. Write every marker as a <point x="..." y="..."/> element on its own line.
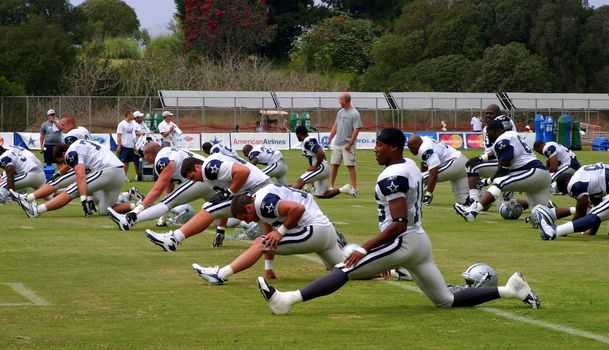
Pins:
<point x="209" y="274"/>
<point x="547" y="231"/>
<point x="401" y="274"/>
<point x="465" y="212"/>
<point x="521" y="290"/>
<point x="346" y="189"/>
<point x="124" y="222"/>
<point x="277" y="302"/>
<point x="19" y="198"/>
<point x="545" y="212"/>
<point x="164" y="240"/>
<point x="31" y="209"/>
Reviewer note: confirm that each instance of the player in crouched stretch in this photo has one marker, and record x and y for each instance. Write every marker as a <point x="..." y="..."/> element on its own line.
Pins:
<point x="589" y="186"/>
<point x="518" y="171"/>
<point x="104" y="181"/>
<point x="560" y="159"/>
<point x="401" y="242"/>
<point x="318" y="171"/>
<point x="22" y="169"/>
<point x="271" y="158"/>
<point x="228" y="176"/>
<point x="292" y="224"/>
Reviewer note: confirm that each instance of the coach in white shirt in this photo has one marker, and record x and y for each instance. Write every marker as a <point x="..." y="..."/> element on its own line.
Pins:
<point x="476" y="123"/>
<point x="169" y="130"/>
<point x="125" y="140"/>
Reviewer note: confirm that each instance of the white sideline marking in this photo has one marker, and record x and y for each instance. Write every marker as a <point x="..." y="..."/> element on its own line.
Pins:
<point x="27" y="227"/>
<point x="22" y="290"/>
<point x="542" y="324"/>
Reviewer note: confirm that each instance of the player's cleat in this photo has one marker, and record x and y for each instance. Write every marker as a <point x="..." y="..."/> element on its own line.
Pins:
<point x="469" y="201"/>
<point x="465" y="212"/>
<point x="347" y="189"/>
<point x="164" y="240"/>
<point x="161" y="222"/>
<point x="218" y="239"/>
<point x="545" y="212"/>
<point x="31" y="209"/>
<point x="341" y="240"/>
<point x="547" y="231"/>
<point x="19" y="198"/>
<point x="277" y="303"/>
<point x="135" y="194"/>
<point x="401" y="274"/>
<point x="551" y="204"/>
<point x="209" y="274"/>
<point x="124" y="222"/>
<point x="520" y="288"/>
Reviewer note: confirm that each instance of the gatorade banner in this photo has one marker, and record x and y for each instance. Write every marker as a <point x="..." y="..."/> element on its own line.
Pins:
<point x="280" y="141"/>
<point x="456" y="140"/>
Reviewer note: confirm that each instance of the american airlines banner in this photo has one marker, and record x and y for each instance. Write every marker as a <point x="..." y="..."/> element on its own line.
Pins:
<point x="280" y="141"/>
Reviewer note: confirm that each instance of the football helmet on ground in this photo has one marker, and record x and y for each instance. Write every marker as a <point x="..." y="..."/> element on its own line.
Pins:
<point x="480" y="275"/>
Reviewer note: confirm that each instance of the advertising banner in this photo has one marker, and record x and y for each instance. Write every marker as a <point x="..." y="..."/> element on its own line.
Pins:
<point x="474" y="140"/>
<point x="215" y="138"/>
<point x="454" y="139"/>
<point x="189" y="141"/>
<point x="280" y="141"/>
<point x="8" y="137"/>
<point x="103" y="139"/>
<point x="27" y="140"/>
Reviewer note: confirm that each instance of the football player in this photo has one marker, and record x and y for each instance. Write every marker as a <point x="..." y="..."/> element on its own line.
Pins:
<point x="210" y="149"/>
<point x="318" y="171"/>
<point x="104" y="179"/>
<point x="167" y="164"/>
<point x="518" y="170"/>
<point x="485" y="164"/>
<point x="275" y="167"/>
<point x="228" y="176"/>
<point x="22" y="169"/>
<point x="439" y="163"/>
<point x="560" y="159"/>
<point x="589" y="186"/>
<point x="292" y="224"/>
<point x="401" y="242"/>
<point x="64" y="176"/>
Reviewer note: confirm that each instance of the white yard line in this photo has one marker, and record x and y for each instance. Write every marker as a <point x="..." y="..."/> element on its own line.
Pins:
<point x="541" y="324"/>
<point x="22" y="290"/>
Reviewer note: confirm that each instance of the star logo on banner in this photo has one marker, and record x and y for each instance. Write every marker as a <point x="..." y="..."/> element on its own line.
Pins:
<point x="270" y="209"/>
<point x="214" y="169"/>
<point x="393" y="187"/>
<point x="215" y="141"/>
<point x="31" y="142"/>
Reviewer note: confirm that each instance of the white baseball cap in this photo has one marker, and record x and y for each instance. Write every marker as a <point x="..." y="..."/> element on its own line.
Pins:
<point x="51" y="112"/>
<point x="166" y="113"/>
<point x="138" y="114"/>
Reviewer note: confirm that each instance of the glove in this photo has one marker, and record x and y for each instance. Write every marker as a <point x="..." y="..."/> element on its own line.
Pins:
<point x="54" y="176"/>
<point x="473" y="162"/>
<point x="91" y="205"/>
<point x="427" y="198"/>
<point x="483" y="183"/>
<point x="88" y="207"/>
<point x="218" y="239"/>
<point x="221" y="196"/>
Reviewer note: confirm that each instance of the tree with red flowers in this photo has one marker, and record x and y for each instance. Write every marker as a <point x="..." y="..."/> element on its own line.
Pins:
<point x="223" y="29"/>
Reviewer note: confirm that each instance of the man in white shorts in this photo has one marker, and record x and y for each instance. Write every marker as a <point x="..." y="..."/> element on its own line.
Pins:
<point x="344" y="133"/>
<point x="275" y="167"/>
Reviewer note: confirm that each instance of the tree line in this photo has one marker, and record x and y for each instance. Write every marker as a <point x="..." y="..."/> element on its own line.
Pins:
<point x="97" y="48"/>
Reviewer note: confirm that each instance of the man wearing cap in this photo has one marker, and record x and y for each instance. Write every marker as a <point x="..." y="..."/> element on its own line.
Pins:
<point x="50" y="135"/>
<point x="140" y="130"/>
<point x="169" y="130"/>
<point x="125" y="141"/>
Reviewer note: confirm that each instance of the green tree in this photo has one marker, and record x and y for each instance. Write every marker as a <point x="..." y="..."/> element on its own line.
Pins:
<point x="9" y="88"/>
<point x="379" y="11"/>
<point x="512" y="68"/>
<point x="338" y="43"/>
<point x="32" y="62"/>
<point x="111" y="18"/>
<point x="122" y="48"/>
<point x="593" y="54"/>
<point x="170" y="44"/>
<point x="418" y="14"/>
<point x="19" y="11"/>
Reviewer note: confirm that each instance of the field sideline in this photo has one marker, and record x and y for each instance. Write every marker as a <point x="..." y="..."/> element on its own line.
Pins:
<point x="92" y="286"/>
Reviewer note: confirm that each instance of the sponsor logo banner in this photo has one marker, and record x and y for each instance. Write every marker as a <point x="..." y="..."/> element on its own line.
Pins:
<point x="215" y="138"/>
<point x="474" y="140"/>
<point x="103" y="139"/>
<point x="456" y="140"/>
<point x="189" y="141"/>
<point x="365" y="140"/>
<point x="280" y="141"/>
<point x="27" y="140"/>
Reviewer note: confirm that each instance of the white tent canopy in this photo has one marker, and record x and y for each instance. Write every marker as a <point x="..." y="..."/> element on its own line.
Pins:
<point x="329" y="100"/>
<point x="216" y="99"/>
<point x="539" y="101"/>
<point x="443" y="100"/>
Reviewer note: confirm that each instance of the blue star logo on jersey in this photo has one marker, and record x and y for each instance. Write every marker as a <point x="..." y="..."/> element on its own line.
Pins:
<point x="501" y="146"/>
<point x="393" y="187"/>
<point x="161" y="166"/>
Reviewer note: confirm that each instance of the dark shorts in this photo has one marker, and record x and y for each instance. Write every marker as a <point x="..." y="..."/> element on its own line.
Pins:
<point x="127" y="155"/>
<point x="48" y="154"/>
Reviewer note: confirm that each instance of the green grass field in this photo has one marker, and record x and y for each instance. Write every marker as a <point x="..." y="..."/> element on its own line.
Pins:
<point x="115" y="290"/>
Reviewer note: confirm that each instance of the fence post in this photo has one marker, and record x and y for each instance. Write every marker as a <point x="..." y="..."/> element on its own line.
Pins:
<point x="90" y="112"/>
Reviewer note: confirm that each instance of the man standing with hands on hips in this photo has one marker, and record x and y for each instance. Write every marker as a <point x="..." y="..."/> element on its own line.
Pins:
<point x="346" y="128"/>
<point x="50" y="135"/>
<point x="169" y="130"/>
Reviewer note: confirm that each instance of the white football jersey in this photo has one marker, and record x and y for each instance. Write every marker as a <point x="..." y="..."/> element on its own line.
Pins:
<point x="92" y="155"/>
<point x="227" y="151"/>
<point x="589" y="180"/>
<point x="433" y="153"/>
<point x="168" y="154"/>
<point x="23" y="160"/>
<point x="218" y="173"/>
<point x="488" y="145"/>
<point x="511" y="146"/>
<point x="563" y="154"/>
<point x="265" y="155"/>
<point x="310" y="146"/>
<point x="145" y="139"/>
<point x="78" y="133"/>
<point x="267" y="206"/>
<point x="400" y="180"/>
